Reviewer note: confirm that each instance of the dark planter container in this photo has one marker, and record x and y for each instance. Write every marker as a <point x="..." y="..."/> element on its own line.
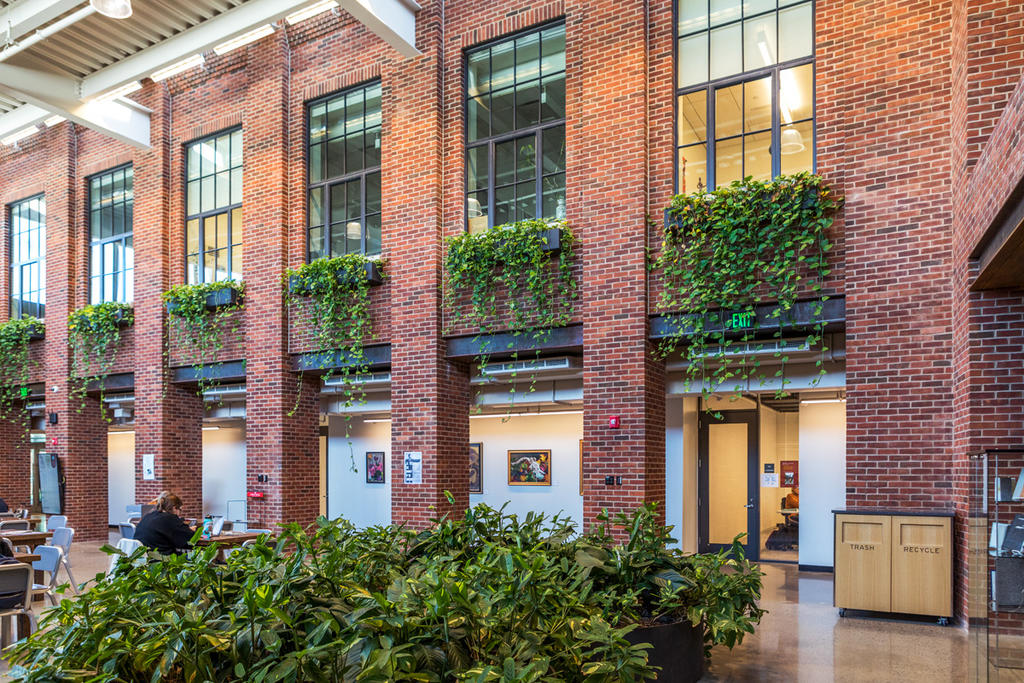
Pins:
<point x="677" y="648"/>
<point x="214" y="300"/>
<point x="36" y="336"/>
<point x="551" y="239"/>
<point x="373" y="276"/>
<point x="120" y="318"/>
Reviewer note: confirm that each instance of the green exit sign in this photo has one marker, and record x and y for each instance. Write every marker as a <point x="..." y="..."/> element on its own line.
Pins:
<point x="741" y="321"/>
<point x="24" y="392"/>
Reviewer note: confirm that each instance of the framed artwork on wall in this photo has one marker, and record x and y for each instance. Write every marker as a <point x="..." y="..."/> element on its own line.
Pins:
<point x="375" y="467"/>
<point x="529" y="468"/>
<point x="476" y="468"/>
<point x="581" y="467"/>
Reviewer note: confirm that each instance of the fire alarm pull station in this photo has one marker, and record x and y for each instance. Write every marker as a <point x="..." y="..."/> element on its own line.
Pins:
<point x="613" y="422"/>
<point x="255" y="494"/>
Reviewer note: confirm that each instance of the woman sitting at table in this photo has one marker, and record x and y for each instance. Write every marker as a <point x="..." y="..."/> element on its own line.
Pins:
<point x="163" y="529"/>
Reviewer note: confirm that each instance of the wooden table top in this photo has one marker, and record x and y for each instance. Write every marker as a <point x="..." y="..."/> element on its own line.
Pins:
<point x="230" y="538"/>
<point x="25" y="537"/>
<point x="27" y="558"/>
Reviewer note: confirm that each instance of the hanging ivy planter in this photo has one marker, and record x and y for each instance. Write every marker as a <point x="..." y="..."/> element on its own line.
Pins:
<point x="16" y="366"/>
<point x="515" y="277"/>
<point x="727" y="251"/>
<point x="94" y="335"/>
<point x="202" y="314"/>
<point x="336" y="293"/>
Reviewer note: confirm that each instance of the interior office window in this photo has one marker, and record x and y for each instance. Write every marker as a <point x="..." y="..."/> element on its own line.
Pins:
<point x="745" y="90"/>
<point x="515" y="129"/>
<point x="213" y="223"/>
<point x="343" y="213"/>
<point x="111" y="253"/>
<point x="28" y="257"/>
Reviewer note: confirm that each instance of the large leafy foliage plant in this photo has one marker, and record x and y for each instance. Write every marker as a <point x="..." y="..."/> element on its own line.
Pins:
<point x="201" y="328"/>
<point x="724" y="253"/>
<point x="94" y="336"/>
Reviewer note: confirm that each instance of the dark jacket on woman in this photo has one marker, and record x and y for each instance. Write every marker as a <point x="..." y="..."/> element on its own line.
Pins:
<point x="164" y="532"/>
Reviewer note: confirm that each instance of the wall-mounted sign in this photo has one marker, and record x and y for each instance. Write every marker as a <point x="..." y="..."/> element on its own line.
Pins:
<point x="790" y="472"/>
<point x="148" y="466"/>
<point x="255" y="494"/>
<point x="413" y="467"/>
<point x="741" y="321"/>
<point x="769" y="467"/>
<point x="770" y="480"/>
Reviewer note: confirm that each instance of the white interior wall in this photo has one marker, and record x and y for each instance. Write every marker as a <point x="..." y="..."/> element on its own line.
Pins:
<point x="822" y="451"/>
<point x="348" y="494"/>
<point x="769" y="420"/>
<point x="561" y="434"/>
<point x="224" y="472"/>
<point x="690" y="415"/>
<point x="674" y="468"/>
<point x="120" y="475"/>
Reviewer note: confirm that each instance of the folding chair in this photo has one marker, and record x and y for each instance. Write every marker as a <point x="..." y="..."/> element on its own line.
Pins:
<point x="15" y="584"/>
<point x="62" y="537"/>
<point x="56" y="522"/>
<point x="127" y="529"/>
<point x="49" y="562"/>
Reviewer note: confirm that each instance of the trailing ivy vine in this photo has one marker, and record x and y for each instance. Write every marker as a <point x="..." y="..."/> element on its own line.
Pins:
<point x="336" y="292"/>
<point x="727" y="251"/>
<point x="510" y="269"/>
<point x="16" y="367"/>
<point x="94" y="335"/>
<point x="193" y="320"/>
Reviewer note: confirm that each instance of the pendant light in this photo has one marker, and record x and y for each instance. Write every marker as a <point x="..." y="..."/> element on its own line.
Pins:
<point x="115" y="9"/>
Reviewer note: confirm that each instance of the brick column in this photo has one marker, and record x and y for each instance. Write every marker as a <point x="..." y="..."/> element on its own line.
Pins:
<point x="79" y="437"/>
<point x="168" y="418"/>
<point x="429" y="394"/>
<point x="283" y="447"/>
<point x="15" y="475"/>
<point x="606" y="204"/>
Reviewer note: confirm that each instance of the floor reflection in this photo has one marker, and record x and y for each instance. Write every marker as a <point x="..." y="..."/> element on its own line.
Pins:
<point x="803" y="638"/>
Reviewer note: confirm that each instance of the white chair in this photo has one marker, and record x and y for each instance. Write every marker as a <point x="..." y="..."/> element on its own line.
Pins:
<point x="126" y="546"/>
<point x="62" y="537"/>
<point x="258" y="531"/>
<point x="127" y="529"/>
<point x="15" y="525"/>
<point x="16" y="591"/>
<point x="49" y="562"/>
<point x="56" y="522"/>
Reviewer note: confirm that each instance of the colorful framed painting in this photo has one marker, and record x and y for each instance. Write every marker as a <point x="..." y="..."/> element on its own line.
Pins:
<point x="476" y="468"/>
<point x="375" y="467"/>
<point x="529" y="468"/>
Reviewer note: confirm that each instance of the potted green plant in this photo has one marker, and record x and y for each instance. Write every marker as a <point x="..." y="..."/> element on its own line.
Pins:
<point x="94" y="334"/>
<point x="200" y="314"/>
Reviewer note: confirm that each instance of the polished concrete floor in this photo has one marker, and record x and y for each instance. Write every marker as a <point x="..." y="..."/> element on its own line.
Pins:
<point x="802" y="638"/>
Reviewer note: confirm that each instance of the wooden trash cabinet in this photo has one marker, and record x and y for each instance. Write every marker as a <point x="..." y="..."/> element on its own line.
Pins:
<point x="894" y="561"/>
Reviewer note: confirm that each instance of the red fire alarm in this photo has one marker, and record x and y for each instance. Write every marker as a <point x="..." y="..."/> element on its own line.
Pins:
<point x="613" y="422"/>
<point x="255" y="494"/>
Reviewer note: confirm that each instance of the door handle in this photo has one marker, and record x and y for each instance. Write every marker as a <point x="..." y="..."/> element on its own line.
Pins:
<point x="749" y="505"/>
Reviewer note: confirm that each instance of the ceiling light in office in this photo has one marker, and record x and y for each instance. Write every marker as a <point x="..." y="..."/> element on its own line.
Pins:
<point x="15" y="138"/>
<point x="792" y="141"/>
<point x="539" y="414"/>
<point x="822" y="400"/>
<point x="244" y="39"/>
<point x="115" y="9"/>
<point x="54" y="120"/>
<point x="177" y="68"/>
<point x="211" y="429"/>
<point x="311" y="11"/>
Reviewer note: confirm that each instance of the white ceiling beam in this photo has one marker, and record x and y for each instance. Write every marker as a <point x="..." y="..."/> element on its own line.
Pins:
<point x="199" y="38"/>
<point x="24" y="116"/>
<point x="393" y="20"/>
<point x="25" y="16"/>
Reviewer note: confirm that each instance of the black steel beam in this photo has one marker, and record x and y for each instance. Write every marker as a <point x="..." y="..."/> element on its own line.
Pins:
<point x="506" y="343"/>
<point x="802" y="315"/>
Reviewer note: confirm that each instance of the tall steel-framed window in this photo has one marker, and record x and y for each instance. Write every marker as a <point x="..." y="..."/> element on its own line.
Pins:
<point x="515" y="129"/>
<point x="744" y="90"/>
<point x="344" y="209"/>
<point x="28" y="257"/>
<point x="111" y="252"/>
<point x="213" y="222"/>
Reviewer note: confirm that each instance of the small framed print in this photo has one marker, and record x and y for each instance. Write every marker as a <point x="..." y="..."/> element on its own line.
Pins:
<point x="529" y="468"/>
<point x="581" y="467"/>
<point x="476" y="468"/>
<point x="375" y="467"/>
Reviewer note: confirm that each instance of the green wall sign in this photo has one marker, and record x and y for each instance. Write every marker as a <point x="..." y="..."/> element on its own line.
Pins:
<point x="741" y="321"/>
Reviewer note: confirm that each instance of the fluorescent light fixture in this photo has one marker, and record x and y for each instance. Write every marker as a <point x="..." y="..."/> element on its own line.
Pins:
<point x="822" y="400"/>
<point x="504" y="415"/>
<point x="15" y="138"/>
<point x="177" y="67"/>
<point x="311" y="11"/>
<point x="210" y="429"/>
<point x="54" y="120"/>
<point x="125" y="89"/>
<point x="383" y="419"/>
<point x="244" y="39"/>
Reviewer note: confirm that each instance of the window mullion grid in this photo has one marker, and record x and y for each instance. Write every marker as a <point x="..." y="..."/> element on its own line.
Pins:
<point x="776" y="141"/>
<point x="362" y="206"/>
<point x="538" y="207"/>
<point x="711" y="138"/>
<point x="492" y="181"/>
